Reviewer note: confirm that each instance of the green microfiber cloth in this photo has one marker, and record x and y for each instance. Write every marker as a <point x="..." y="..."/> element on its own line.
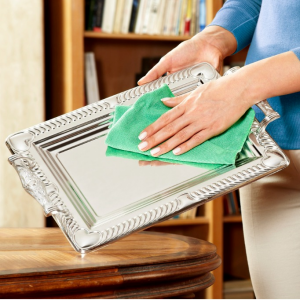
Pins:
<point x="120" y="110"/>
<point x="130" y="122"/>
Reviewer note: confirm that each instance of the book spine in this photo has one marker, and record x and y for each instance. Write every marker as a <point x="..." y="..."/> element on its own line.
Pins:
<point x="187" y="21"/>
<point x="176" y="17"/>
<point x="99" y="14"/>
<point x="236" y="202"/>
<point x="168" y="17"/>
<point x="197" y="16"/>
<point x="86" y="14"/>
<point x="193" y="18"/>
<point x="109" y="15"/>
<point x="182" y="17"/>
<point x="126" y="16"/>
<point x="119" y="16"/>
<point x="153" y="15"/>
<point x="231" y="201"/>
<point x="92" y="89"/>
<point x="91" y="14"/>
<point x="202" y="17"/>
<point x="138" y="25"/>
<point x="158" y="26"/>
<point x="146" y="17"/>
<point x="177" y="32"/>
<point x="172" y="16"/>
<point x="134" y="12"/>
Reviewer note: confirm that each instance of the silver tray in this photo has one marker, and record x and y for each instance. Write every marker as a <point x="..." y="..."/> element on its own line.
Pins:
<point x="96" y="199"/>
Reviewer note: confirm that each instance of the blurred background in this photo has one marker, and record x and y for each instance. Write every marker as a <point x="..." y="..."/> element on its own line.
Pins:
<point x="59" y="55"/>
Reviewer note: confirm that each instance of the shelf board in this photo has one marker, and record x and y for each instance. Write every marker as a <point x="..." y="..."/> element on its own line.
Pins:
<point x="133" y="36"/>
<point x="232" y="219"/>
<point x="179" y="222"/>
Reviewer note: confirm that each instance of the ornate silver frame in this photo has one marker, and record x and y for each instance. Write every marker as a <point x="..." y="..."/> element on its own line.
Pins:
<point x="33" y="157"/>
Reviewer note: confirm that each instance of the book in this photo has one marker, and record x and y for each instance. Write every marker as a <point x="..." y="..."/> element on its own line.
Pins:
<point x="168" y="17"/>
<point x="155" y="4"/>
<point x="182" y="17"/>
<point x="98" y="15"/>
<point x="134" y="11"/>
<point x="146" y="16"/>
<point x="86" y="14"/>
<point x="232" y="205"/>
<point x="90" y="7"/>
<point x="119" y="16"/>
<point x="187" y="20"/>
<point x="202" y="17"/>
<point x="193" y="17"/>
<point x="197" y="29"/>
<point x="177" y="10"/>
<point x="91" y="80"/>
<point x="109" y="15"/>
<point x="140" y="16"/>
<point x="159" y="23"/>
<point x="126" y="16"/>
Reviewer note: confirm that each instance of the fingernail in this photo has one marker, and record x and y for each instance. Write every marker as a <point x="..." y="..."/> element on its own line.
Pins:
<point x="155" y="151"/>
<point x="165" y="99"/>
<point x="176" y="150"/>
<point x="142" y="135"/>
<point x="143" y="145"/>
<point x="141" y="79"/>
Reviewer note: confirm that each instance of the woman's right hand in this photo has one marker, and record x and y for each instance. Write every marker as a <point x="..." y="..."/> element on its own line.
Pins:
<point x="212" y="45"/>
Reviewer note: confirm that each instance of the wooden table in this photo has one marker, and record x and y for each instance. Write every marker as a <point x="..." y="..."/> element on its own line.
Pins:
<point x="40" y="263"/>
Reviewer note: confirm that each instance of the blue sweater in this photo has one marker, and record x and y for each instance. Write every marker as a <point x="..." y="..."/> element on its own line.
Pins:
<point x="270" y="27"/>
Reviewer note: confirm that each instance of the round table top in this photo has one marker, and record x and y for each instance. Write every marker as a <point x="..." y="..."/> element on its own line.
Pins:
<point x="141" y="256"/>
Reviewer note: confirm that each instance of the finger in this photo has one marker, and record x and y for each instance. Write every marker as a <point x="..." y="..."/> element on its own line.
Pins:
<point x="143" y="163"/>
<point x="173" y="101"/>
<point x="179" y="138"/>
<point x="194" y="141"/>
<point x="154" y="163"/>
<point x="165" y="133"/>
<point x="157" y="71"/>
<point x="161" y="122"/>
<point x="157" y="163"/>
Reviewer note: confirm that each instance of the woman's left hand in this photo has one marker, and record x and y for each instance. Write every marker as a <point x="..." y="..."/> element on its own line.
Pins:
<point x="196" y="117"/>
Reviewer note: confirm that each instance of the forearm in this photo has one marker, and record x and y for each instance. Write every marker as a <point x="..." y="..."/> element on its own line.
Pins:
<point x="270" y="77"/>
<point x="219" y="38"/>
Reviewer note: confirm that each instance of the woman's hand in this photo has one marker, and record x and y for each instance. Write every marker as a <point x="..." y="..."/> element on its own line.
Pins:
<point x="206" y="112"/>
<point x="212" y="45"/>
<point x="215" y="106"/>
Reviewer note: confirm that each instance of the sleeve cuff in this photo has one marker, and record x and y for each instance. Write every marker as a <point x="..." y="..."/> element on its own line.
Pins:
<point x="297" y="52"/>
<point x="240" y="18"/>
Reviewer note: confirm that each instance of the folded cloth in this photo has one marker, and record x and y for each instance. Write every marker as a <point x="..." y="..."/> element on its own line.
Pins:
<point x="137" y="156"/>
<point x="130" y="122"/>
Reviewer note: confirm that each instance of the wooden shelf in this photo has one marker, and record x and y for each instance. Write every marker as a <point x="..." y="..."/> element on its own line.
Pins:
<point x="133" y="36"/>
<point x="232" y="219"/>
<point x="180" y="222"/>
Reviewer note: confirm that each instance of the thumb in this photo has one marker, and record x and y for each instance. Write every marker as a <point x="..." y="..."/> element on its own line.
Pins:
<point x="171" y="102"/>
<point x="157" y="71"/>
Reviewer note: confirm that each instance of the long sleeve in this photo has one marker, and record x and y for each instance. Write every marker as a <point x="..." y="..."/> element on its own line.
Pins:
<point x="297" y="52"/>
<point x="240" y="18"/>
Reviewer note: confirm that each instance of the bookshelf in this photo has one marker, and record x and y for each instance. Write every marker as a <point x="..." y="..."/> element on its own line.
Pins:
<point x="133" y="36"/>
<point x="118" y="59"/>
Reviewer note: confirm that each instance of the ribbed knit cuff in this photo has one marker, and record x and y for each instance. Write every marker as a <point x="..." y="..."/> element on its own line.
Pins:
<point x="297" y="52"/>
<point x="240" y="18"/>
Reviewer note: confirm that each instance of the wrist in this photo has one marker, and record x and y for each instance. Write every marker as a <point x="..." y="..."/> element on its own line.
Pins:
<point x="219" y="38"/>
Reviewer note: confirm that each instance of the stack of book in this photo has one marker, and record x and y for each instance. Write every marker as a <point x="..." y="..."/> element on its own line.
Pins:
<point x="154" y="17"/>
<point x="232" y="204"/>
